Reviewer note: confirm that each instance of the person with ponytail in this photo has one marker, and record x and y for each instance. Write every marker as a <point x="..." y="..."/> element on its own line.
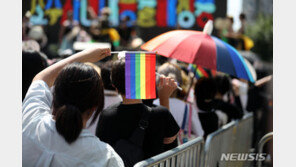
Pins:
<point x="56" y="108"/>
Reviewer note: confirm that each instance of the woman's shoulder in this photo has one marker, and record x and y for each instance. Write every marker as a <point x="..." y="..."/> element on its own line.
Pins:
<point x="93" y="142"/>
<point x="102" y="150"/>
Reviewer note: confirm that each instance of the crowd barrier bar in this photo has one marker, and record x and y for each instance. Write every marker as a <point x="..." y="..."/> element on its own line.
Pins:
<point x="261" y="144"/>
<point x="243" y="138"/>
<point x="217" y="143"/>
<point x="234" y="137"/>
<point x="185" y="155"/>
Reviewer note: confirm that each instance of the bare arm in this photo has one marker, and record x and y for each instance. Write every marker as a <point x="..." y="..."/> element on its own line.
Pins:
<point x="49" y="74"/>
<point x="165" y="89"/>
<point x="169" y="140"/>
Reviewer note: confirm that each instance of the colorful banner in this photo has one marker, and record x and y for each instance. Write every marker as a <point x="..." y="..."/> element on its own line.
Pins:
<point x="144" y="13"/>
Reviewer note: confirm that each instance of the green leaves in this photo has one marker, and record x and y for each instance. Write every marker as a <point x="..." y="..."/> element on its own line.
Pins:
<point x="261" y="32"/>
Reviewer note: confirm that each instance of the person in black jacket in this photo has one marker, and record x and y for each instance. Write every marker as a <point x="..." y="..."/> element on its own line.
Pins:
<point x="205" y="91"/>
<point x="226" y="99"/>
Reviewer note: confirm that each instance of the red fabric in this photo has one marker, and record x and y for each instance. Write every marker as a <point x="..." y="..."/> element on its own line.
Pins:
<point x="150" y="76"/>
<point x="161" y="13"/>
<point x="203" y="18"/>
<point x="152" y="94"/>
<point x="191" y="5"/>
<point x="188" y="46"/>
<point x="213" y="72"/>
<point x="206" y="55"/>
<point x="173" y="47"/>
<point x="124" y="6"/>
<point x="67" y="7"/>
<point x="147" y="75"/>
<point x="95" y="5"/>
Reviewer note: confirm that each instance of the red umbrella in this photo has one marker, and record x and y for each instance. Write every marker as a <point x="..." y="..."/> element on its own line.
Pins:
<point x="185" y="45"/>
<point x="202" y="49"/>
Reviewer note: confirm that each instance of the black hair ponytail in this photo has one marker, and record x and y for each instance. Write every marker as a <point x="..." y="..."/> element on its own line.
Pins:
<point x="69" y="122"/>
<point x="77" y="90"/>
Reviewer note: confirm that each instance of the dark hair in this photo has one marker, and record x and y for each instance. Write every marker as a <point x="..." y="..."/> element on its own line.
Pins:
<point x="104" y="22"/>
<point x="205" y="89"/>
<point x="32" y="63"/>
<point x="242" y="16"/>
<point x="118" y="76"/>
<point x="77" y="89"/>
<point x="230" y="18"/>
<point x="106" y="74"/>
<point x="222" y="83"/>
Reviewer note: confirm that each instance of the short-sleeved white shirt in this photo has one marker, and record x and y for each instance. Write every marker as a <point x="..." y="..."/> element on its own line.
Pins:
<point x="43" y="146"/>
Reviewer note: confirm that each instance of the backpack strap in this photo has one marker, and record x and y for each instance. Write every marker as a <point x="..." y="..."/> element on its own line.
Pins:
<point x="190" y="120"/>
<point x="184" y="117"/>
<point x="182" y="131"/>
<point x="139" y="133"/>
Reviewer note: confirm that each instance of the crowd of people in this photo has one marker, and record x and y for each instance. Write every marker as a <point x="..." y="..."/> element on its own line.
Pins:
<point x="75" y="112"/>
<point x="70" y="31"/>
<point x="68" y="103"/>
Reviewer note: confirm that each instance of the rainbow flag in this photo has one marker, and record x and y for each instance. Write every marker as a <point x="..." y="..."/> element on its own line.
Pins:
<point x="199" y="71"/>
<point x="140" y="76"/>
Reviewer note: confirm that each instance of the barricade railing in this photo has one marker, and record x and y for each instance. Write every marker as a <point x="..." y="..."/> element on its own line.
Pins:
<point x="185" y="155"/>
<point x="217" y="143"/>
<point x="244" y="133"/>
<point x="243" y="139"/>
<point x="235" y="137"/>
<point x="261" y="144"/>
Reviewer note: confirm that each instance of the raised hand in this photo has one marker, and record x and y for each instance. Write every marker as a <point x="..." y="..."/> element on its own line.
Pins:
<point x="166" y="87"/>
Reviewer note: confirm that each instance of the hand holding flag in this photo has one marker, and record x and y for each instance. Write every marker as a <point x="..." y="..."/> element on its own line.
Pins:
<point x="140" y="76"/>
<point x="166" y="86"/>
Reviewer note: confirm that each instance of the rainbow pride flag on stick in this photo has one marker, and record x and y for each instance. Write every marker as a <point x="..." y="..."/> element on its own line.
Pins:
<point x="140" y="75"/>
<point x="199" y="71"/>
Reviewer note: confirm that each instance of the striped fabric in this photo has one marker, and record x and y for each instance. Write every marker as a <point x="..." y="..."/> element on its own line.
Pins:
<point x="140" y="76"/>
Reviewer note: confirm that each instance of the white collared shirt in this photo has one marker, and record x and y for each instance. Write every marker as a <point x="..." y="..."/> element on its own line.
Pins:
<point x="43" y="146"/>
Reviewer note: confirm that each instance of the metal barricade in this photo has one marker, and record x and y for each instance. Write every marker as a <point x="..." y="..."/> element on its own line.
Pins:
<point x="185" y="155"/>
<point x="244" y="133"/>
<point x="243" y="138"/>
<point x="235" y="137"/>
<point x="261" y="144"/>
<point x="217" y="143"/>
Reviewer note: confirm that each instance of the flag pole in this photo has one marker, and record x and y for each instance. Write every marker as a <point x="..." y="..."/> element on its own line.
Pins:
<point x="116" y="52"/>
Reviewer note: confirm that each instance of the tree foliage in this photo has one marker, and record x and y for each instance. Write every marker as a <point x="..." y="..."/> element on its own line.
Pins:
<point x="261" y="32"/>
